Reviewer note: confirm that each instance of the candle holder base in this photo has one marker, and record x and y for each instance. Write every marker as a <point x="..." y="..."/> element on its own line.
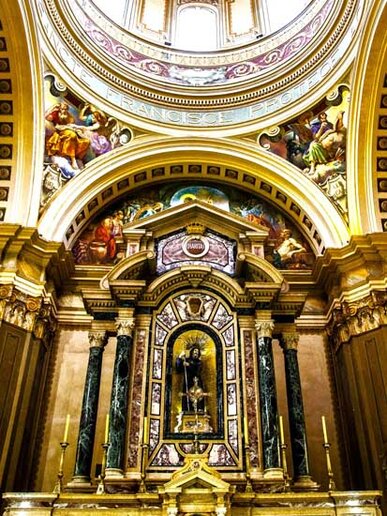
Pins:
<point x="305" y="483"/>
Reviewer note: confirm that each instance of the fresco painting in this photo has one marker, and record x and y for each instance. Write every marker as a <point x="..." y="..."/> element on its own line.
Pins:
<point x="102" y="241"/>
<point x="315" y="142"/>
<point x="76" y="133"/>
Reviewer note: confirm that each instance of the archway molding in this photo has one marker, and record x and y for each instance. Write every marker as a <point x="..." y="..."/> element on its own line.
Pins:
<point x="154" y="160"/>
<point x="22" y="109"/>
<point x="364" y="125"/>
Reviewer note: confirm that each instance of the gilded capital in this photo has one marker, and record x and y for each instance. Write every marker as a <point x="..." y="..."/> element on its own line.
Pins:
<point x="357" y="317"/>
<point x="18" y="308"/>
<point x="125" y="326"/>
<point x="264" y="328"/>
<point x="97" y="339"/>
<point x="289" y="340"/>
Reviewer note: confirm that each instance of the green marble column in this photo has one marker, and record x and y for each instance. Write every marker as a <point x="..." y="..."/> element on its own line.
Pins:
<point x="268" y="399"/>
<point x="89" y="409"/>
<point x="299" y="446"/>
<point x="119" y="397"/>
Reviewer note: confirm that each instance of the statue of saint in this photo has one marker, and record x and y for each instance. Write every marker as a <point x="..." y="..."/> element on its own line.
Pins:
<point x="191" y="368"/>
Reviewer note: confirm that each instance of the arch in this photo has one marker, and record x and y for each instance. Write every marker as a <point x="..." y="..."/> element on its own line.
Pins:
<point x="25" y="73"/>
<point x="368" y="78"/>
<point x="255" y="166"/>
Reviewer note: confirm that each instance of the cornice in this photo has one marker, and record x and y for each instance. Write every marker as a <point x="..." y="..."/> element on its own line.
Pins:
<point x="362" y="262"/>
<point x="26" y="258"/>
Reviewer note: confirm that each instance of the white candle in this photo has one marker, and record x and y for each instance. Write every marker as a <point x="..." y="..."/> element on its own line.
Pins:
<point x="246" y="430"/>
<point x="324" y="427"/>
<point x="281" y="425"/>
<point x="107" y="429"/>
<point x="66" y="430"/>
<point x="145" y="431"/>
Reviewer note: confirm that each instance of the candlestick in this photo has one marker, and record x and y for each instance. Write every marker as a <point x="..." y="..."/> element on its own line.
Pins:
<point x="281" y="425"/>
<point x="59" y="483"/>
<point x="331" y="482"/>
<point x="66" y="430"/>
<point x="101" y="483"/>
<point x="324" y="427"/>
<point x="107" y="429"/>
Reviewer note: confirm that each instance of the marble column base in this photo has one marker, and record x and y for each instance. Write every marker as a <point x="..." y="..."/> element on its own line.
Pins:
<point x="114" y="473"/>
<point x="273" y="474"/>
<point x="305" y="483"/>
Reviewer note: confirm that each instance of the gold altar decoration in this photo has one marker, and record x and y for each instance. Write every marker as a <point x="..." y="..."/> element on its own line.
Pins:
<point x="196" y="486"/>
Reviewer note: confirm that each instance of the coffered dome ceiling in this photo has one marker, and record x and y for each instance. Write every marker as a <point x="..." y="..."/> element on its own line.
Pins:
<point x="234" y="89"/>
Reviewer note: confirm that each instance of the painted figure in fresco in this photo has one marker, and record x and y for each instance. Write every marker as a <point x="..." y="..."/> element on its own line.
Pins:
<point x="118" y="224"/>
<point x="103" y="247"/>
<point x="328" y="144"/>
<point x="148" y="209"/>
<point x="287" y="249"/>
<point x="98" y="129"/>
<point x="191" y="368"/>
<point x="67" y="139"/>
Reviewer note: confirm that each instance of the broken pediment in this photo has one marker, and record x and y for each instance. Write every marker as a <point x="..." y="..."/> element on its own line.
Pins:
<point x="198" y="212"/>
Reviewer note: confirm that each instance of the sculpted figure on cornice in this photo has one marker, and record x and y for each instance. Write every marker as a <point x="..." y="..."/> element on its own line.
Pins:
<point x="315" y="142"/>
<point x="102" y="240"/>
<point x="76" y="133"/>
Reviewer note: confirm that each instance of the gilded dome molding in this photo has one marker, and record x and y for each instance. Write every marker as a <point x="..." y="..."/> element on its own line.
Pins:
<point x="136" y="98"/>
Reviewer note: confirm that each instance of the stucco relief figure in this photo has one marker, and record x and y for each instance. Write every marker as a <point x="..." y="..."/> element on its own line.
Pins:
<point x="190" y="367"/>
<point x="194" y="384"/>
<point x="289" y="250"/>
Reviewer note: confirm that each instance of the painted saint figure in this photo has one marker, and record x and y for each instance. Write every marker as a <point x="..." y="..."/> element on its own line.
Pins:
<point x="191" y="368"/>
<point x="67" y="139"/>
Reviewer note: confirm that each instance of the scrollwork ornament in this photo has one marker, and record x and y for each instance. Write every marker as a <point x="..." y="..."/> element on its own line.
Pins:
<point x="125" y="326"/>
<point x="5" y="291"/>
<point x="264" y="328"/>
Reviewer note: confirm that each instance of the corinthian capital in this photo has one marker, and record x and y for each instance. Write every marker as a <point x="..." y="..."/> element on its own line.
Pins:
<point x="125" y="326"/>
<point x="289" y="340"/>
<point x="264" y="328"/>
<point x="97" y="339"/>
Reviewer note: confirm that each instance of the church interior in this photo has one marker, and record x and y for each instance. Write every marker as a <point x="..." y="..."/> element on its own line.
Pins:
<point x="193" y="207"/>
